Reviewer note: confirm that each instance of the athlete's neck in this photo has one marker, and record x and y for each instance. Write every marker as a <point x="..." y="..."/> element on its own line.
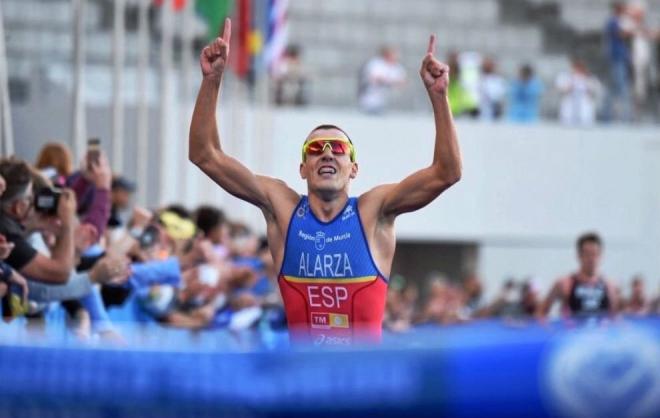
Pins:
<point x="587" y="276"/>
<point x="327" y="209"/>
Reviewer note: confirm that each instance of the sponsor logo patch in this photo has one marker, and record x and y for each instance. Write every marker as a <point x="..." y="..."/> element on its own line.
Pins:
<point x="348" y="212"/>
<point x="324" y="320"/>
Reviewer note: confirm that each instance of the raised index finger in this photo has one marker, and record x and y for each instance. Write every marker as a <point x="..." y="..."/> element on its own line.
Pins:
<point x="431" y="48"/>
<point x="226" y="33"/>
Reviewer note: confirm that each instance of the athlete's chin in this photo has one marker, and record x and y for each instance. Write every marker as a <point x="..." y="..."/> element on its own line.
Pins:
<point x="328" y="189"/>
<point x="329" y="184"/>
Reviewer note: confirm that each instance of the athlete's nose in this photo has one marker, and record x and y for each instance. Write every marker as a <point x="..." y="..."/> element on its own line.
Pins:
<point x="327" y="154"/>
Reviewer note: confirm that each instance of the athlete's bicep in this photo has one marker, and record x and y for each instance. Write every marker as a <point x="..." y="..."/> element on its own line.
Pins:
<point x="235" y="178"/>
<point x="413" y="193"/>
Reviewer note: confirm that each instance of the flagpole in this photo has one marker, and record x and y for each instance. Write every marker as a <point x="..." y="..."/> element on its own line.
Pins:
<point x="186" y="180"/>
<point x="6" y="133"/>
<point x="263" y="123"/>
<point x="186" y="50"/>
<point x="118" y="40"/>
<point x="166" y="46"/>
<point x="78" y="116"/>
<point x="142" y="154"/>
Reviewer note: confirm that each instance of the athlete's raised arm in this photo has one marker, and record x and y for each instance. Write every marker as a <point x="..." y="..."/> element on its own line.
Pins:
<point x="204" y="148"/>
<point x="420" y="188"/>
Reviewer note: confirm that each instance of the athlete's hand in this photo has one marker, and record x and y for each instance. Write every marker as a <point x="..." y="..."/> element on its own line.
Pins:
<point x="214" y="57"/>
<point x="434" y="73"/>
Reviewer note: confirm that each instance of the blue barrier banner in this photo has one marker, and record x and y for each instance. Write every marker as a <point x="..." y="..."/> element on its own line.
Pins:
<point x="485" y="369"/>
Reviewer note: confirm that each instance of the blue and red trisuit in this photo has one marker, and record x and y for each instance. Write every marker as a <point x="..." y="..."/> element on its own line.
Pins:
<point x="332" y="290"/>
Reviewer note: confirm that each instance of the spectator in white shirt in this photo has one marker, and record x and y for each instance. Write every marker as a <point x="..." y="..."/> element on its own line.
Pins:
<point x="377" y="79"/>
<point x="492" y="91"/>
<point x="580" y="91"/>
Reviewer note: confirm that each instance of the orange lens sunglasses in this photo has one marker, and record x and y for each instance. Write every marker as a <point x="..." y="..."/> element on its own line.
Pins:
<point x="338" y="146"/>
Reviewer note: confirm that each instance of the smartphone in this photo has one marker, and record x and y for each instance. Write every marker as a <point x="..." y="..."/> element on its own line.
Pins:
<point x="93" y="150"/>
<point x="149" y="236"/>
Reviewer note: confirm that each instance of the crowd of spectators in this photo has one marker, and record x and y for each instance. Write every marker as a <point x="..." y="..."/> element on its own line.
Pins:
<point x="628" y="95"/>
<point x="72" y="241"/>
<point x="450" y="302"/>
<point x="626" y="92"/>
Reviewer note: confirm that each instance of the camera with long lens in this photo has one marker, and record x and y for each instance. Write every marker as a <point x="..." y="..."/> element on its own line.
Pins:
<point x="46" y="200"/>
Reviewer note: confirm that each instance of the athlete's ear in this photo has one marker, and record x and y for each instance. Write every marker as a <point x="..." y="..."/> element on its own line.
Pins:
<point x="303" y="175"/>
<point x="354" y="170"/>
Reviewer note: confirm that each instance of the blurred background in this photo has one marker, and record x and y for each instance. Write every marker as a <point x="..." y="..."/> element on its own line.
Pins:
<point x="557" y="106"/>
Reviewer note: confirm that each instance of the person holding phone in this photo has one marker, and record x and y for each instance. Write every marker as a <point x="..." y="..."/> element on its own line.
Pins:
<point x="334" y="251"/>
<point x="93" y="156"/>
<point x="92" y="187"/>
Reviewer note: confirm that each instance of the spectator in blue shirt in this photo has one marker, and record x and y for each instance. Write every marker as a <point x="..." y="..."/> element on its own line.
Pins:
<point x="618" y="56"/>
<point x="525" y="96"/>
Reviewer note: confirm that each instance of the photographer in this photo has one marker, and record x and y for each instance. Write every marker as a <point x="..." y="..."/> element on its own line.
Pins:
<point x="37" y="256"/>
<point x="18" y="205"/>
<point x="79" y="297"/>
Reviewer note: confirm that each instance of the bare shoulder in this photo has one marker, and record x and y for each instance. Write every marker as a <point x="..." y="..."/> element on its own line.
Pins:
<point x="278" y="184"/>
<point x="563" y="285"/>
<point x="282" y="197"/>
<point x="278" y="187"/>
<point x="371" y="202"/>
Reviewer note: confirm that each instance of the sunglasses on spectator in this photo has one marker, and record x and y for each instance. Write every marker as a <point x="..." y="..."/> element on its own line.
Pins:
<point x="337" y="145"/>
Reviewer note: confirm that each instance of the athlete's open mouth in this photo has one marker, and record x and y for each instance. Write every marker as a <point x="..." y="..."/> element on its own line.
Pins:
<point x="327" y="169"/>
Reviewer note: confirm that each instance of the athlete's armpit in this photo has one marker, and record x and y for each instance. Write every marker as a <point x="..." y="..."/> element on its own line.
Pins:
<point x="282" y="198"/>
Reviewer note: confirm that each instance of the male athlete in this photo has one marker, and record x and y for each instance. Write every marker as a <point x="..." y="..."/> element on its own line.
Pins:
<point x="334" y="251"/>
<point x="586" y="293"/>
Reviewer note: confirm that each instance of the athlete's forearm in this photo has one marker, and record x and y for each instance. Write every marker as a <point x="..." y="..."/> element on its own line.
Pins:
<point x="447" y="154"/>
<point x="204" y="137"/>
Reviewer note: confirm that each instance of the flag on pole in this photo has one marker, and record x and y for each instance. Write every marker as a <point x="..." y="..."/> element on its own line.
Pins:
<point x="214" y="13"/>
<point x="240" y="50"/>
<point x="277" y="35"/>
